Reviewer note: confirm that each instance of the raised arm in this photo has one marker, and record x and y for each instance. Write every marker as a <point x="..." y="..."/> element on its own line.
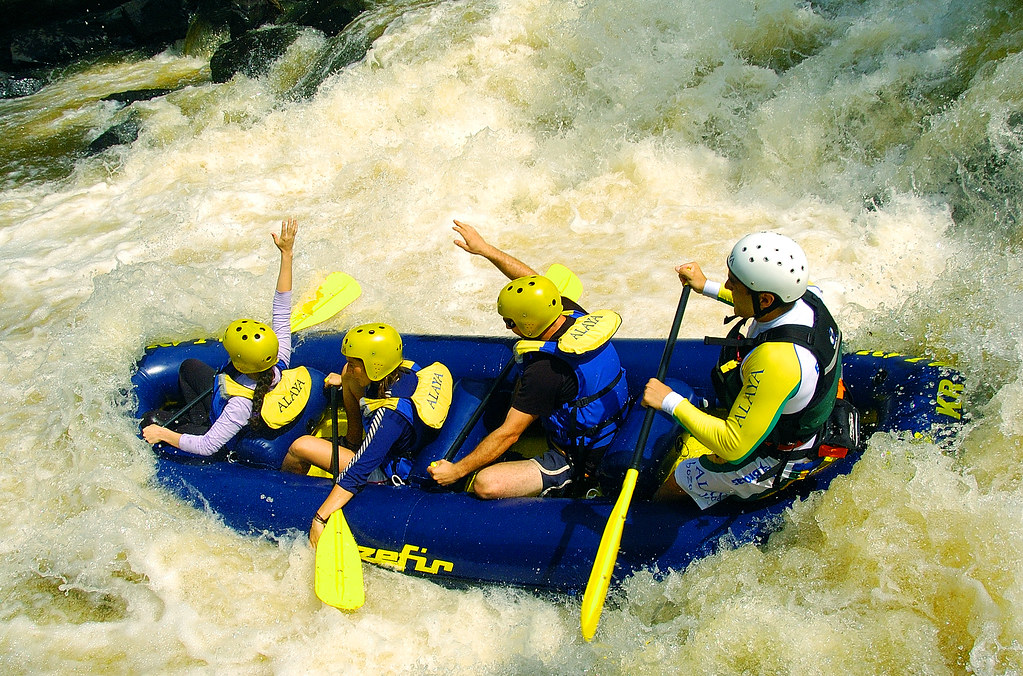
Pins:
<point x="286" y="243"/>
<point x="474" y="243"/>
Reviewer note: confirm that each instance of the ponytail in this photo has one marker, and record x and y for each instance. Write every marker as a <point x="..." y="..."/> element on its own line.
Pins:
<point x="264" y="383"/>
<point x="391" y="378"/>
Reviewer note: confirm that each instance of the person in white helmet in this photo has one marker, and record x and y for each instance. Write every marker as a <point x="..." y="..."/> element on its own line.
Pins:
<point x="779" y="382"/>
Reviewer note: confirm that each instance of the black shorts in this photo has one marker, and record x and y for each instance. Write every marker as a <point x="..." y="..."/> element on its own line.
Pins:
<point x="555" y="471"/>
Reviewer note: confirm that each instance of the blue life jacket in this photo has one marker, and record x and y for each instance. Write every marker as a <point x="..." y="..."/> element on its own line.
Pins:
<point x="589" y="422"/>
<point x="423" y="397"/>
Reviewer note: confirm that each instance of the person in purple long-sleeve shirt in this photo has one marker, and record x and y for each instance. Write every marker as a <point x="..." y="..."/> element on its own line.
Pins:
<point x="258" y="355"/>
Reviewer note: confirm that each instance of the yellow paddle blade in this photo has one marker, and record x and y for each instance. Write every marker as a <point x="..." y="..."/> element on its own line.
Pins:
<point x="317" y="472"/>
<point x="568" y="284"/>
<point x="335" y="294"/>
<point x="607" y="554"/>
<point x="325" y="428"/>
<point x="338" y="566"/>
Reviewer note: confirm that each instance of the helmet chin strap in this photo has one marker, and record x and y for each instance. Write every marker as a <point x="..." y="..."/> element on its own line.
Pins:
<point x="758" y="311"/>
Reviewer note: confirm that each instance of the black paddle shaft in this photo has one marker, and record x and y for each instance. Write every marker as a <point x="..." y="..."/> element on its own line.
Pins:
<point x="187" y="407"/>
<point x="662" y="370"/>
<point x="334" y="433"/>
<point x="478" y="413"/>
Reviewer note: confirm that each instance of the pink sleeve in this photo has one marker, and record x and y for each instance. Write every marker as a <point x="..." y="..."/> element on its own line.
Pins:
<point x="234" y="417"/>
<point x="282" y="324"/>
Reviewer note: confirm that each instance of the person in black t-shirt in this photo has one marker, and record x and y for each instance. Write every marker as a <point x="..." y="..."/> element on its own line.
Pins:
<point x="534" y="309"/>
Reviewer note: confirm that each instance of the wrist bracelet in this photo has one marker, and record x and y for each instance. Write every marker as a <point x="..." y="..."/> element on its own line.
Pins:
<point x="319" y="519"/>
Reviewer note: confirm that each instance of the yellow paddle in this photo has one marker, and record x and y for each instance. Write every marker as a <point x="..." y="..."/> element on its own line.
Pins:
<point x="611" y="540"/>
<point x="336" y="293"/>
<point x="568" y="284"/>
<point x="338" y="565"/>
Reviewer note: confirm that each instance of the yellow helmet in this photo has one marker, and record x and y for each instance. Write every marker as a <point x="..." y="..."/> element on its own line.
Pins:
<point x="377" y="345"/>
<point x="531" y="303"/>
<point x="251" y="345"/>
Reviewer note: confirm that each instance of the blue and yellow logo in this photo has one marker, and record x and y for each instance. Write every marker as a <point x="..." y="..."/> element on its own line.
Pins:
<point x="400" y="560"/>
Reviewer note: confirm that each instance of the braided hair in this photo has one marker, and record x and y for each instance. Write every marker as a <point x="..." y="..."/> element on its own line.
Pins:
<point x="264" y="383"/>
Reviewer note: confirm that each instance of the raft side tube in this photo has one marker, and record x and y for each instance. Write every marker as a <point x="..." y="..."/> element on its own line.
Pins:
<point x="901" y="393"/>
<point x="156" y="379"/>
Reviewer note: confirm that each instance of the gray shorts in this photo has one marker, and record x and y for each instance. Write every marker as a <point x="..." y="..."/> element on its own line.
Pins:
<point x="555" y="471"/>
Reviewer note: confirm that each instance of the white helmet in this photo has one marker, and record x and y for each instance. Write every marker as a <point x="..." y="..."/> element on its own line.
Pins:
<point x="772" y="263"/>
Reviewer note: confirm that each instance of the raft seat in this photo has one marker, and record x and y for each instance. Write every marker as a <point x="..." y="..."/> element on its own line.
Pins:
<point x="466" y="397"/>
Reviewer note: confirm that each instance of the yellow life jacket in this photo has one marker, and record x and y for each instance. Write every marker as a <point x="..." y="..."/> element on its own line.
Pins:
<point x="432" y="397"/>
<point x="284" y="403"/>
<point x="588" y="333"/>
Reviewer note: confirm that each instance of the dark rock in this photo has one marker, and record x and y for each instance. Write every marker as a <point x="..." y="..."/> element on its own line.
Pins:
<point x="328" y="16"/>
<point x="136" y="95"/>
<point x="253" y="53"/>
<point x="12" y="87"/>
<point x="120" y="134"/>
<point x="21" y="14"/>
<point x="132" y="25"/>
<point x="245" y="15"/>
<point x="155" y="22"/>
<point x="63" y="43"/>
<point x="215" y="12"/>
<point x="55" y="33"/>
<point x="240" y="16"/>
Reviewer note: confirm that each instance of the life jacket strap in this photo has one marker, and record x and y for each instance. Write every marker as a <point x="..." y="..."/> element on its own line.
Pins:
<point x="586" y="401"/>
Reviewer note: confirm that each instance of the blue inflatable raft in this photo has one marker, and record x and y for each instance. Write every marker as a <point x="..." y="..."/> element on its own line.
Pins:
<point x="539" y="543"/>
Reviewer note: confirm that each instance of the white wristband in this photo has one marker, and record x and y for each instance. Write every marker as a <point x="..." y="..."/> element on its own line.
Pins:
<point x="712" y="289"/>
<point x="671" y="400"/>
